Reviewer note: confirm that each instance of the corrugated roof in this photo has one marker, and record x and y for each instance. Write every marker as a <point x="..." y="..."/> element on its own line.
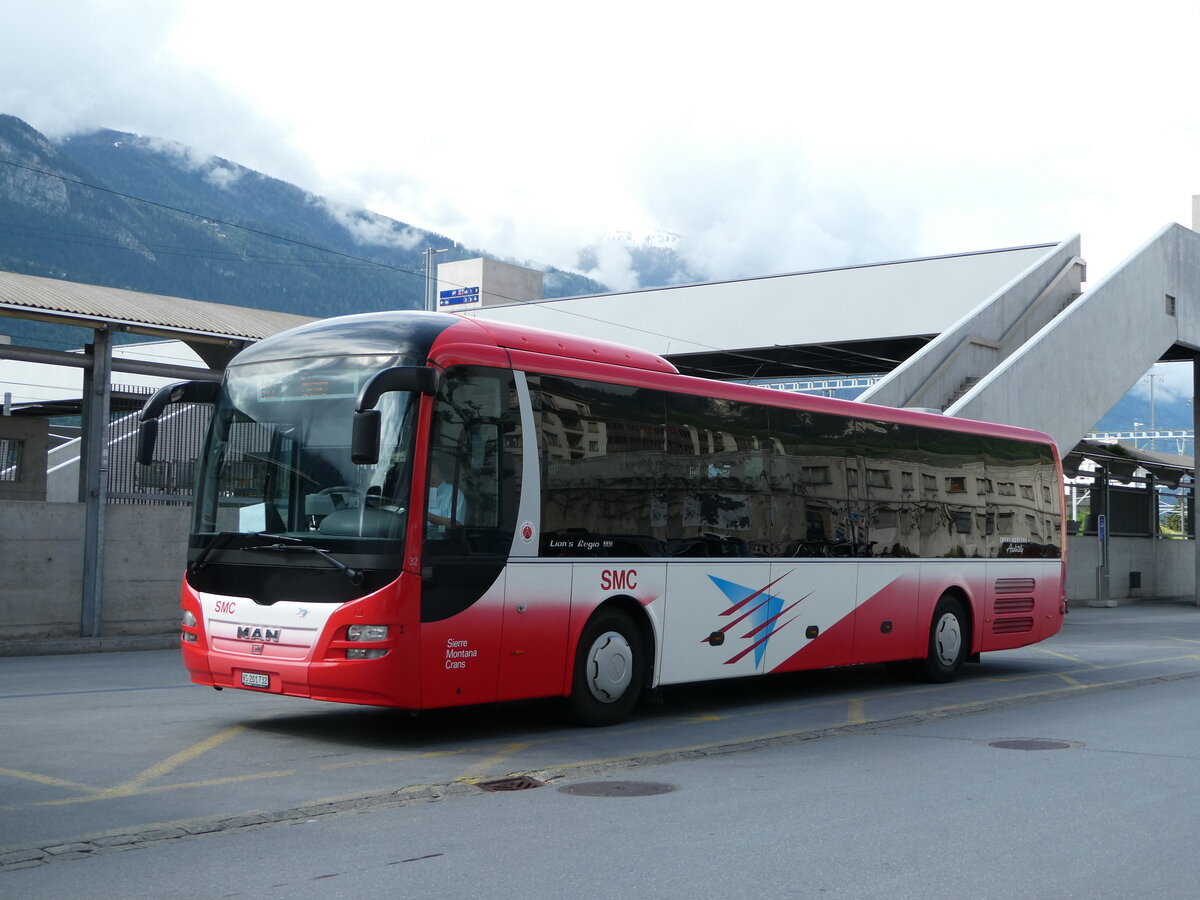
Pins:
<point x="86" y="305"/>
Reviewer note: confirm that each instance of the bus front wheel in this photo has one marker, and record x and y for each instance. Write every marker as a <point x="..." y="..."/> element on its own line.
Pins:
<point x="949" y="641"/>
<point x="610" y="668"/>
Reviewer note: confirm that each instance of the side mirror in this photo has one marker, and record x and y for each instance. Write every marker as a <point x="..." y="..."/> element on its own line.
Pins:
<point x="178" y="392"/>
<point x="147" y="437"/>
<point x="364" y="439"/>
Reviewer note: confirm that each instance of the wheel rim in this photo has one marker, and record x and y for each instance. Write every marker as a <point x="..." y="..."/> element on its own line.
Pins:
<point x="947" y="639"/>
<point x="609" y="667"/>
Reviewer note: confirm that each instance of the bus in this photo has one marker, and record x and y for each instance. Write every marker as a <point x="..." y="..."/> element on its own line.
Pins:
<point x="420" y="510"/>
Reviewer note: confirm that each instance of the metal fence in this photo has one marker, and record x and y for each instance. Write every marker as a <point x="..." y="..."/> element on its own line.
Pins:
<point x="170" y="479"/>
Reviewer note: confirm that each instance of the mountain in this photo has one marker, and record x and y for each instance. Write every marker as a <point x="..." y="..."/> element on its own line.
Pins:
<point x="150" y="215"/>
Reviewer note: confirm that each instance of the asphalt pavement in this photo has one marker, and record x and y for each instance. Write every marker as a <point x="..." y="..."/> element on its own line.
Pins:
<point x="1062" y="769"/>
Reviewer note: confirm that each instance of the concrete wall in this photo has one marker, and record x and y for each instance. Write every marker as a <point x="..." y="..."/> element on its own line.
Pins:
<point x="41" y="569"/>
<point x="1167" y="567"/>
<point x="28" y="480"/>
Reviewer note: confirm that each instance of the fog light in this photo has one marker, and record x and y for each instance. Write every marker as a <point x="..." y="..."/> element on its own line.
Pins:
<point x="188" y="636"/>
<point x="189" y="619"/>
<point x="367" y="633"/>
<point x="364" y="653"/>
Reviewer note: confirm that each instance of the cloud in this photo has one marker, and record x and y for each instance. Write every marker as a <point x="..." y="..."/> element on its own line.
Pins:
<point x="1170" y="382"/>
<point x="215" y="170"/>
<point x="369" y="228"/>
<point x="774" y="140"/>
<point x="612" y="265"/>
<point x="743" y="211"/>
<point x="78" y="65"/>
<point x="224" y="177"/>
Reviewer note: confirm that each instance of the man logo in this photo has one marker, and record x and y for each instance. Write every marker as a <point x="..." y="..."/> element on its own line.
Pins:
<point x="248" y="633"/>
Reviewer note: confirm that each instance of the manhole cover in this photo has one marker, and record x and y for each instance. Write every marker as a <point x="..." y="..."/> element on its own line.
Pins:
<point x="1032" y="744"/>
<point x="519" y="783"/>
<point x="617" y="788"/>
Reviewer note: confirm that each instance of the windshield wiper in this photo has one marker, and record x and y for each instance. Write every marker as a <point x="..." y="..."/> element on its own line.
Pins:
<point x="216" y="544"/>
<point x="355" y="575"/>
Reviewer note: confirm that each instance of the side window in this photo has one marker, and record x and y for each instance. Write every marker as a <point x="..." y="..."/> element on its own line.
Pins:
<point x="602" y="449"/>
<point x="953" y="467"/>
<point x="810" y="481"/>
<point x="716" y="496"/>
<point x="1027" y="517"/>
<point x="474" y="468"/>
<point x="889" y="519"/>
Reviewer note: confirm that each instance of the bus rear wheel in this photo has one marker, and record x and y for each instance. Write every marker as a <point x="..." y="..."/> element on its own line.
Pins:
<point x="949" y="641"/>
<point x="610" y="669"/>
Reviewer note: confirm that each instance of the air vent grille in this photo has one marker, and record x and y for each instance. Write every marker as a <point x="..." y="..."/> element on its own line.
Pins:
<point x="1007" y="606"/>
<point x="1015" y="585"/>
<point x="1013" y="626"/>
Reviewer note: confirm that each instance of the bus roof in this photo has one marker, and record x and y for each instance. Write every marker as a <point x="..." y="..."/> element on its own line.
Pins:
<point x="537" y="340"/>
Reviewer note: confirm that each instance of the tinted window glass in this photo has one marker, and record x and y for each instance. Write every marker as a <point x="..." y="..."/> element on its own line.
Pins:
<point x="602" y="452"/>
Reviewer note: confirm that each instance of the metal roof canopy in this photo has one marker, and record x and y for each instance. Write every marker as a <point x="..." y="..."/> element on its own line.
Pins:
<point x="1123" y="460"/>
<point x="215" y="331"/>
<point x="850" y="320"/>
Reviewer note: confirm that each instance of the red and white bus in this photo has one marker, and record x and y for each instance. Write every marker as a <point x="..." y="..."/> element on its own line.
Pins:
<point x="420" y="510"/>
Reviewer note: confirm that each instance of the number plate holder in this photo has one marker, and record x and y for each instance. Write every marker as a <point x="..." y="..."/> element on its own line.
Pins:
<point x="256" y="680"/>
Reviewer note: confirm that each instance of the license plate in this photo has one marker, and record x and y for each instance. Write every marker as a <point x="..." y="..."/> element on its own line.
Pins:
<point x="255" y="680"/>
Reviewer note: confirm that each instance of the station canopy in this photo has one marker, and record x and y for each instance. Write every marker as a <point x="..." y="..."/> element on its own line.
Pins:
<point x="215" y="331"/>
<point x="851" y="320"/>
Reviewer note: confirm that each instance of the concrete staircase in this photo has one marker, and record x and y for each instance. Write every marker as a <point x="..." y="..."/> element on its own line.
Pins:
<point x="1041" y="354"/>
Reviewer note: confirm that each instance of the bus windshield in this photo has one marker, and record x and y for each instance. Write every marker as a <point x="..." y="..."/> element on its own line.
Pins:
<point x="277" y="459"/>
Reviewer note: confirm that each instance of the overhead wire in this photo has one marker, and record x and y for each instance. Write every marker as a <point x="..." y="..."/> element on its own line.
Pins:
<point x="362" y="263"/>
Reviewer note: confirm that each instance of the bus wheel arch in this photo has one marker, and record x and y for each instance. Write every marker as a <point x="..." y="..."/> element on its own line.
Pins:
<point x="612" y="665"/>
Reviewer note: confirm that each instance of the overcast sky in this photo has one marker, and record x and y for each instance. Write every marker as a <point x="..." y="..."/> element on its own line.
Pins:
<point x="771" y="137"/>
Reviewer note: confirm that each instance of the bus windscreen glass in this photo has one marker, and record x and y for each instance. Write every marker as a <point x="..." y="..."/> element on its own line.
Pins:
<point x="278" y="454"/>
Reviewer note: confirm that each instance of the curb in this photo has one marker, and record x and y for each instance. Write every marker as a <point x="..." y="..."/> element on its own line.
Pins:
<point x="110" y="644"/>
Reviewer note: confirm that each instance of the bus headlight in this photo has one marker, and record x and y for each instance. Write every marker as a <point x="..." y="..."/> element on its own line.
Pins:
<point x="367" y="633"/>
<point x="189" y="619"/>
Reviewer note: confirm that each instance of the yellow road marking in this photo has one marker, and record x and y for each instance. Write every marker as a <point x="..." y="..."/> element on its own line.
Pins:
<point x="856" y="712"/>
<point x="1064" y="656"/>
<point x="47" y="780"/>
<point x="140" y="780"/>
<point x="160" y="788"/>
<point x="483" y="768"/>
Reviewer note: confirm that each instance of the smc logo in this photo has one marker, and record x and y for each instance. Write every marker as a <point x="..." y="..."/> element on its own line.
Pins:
<point x="226" y="606"/>
<point x="618" y="579"/>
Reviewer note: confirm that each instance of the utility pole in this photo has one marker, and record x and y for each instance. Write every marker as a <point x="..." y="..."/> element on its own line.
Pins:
<point x="1153" y="423"/>
<point x="431" y="279"/>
